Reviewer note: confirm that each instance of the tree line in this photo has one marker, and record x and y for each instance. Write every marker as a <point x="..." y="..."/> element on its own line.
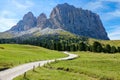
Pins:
<point x="64" y="43"/>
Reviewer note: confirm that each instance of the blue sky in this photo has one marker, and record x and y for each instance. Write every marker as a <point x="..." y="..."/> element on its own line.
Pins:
<point x="11" y="11"/>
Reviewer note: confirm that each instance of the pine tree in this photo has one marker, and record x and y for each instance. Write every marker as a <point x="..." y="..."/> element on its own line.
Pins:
<point x="113" y="49"/>
<point x="82" y="46"/>
<point x="107" y="48"/>
<point x="118" y="49"/>
<point x="97" y="47"/>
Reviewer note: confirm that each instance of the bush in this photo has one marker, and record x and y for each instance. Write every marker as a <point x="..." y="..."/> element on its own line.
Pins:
<point x="118" y="49"/>
<point x="113" y="49"/>
<point x="107" y="48"/>
<point x="97" y="47"/>
<point x="2" y="48"/>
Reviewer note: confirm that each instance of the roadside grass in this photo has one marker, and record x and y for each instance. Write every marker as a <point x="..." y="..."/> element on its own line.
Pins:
<point x="89" y="66"/>
<point x="16" y="54"/>
<point x="52" y="74"/>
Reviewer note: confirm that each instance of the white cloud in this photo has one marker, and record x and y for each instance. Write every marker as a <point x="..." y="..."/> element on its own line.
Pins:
<point x="111" y="15"/>
<point x="24" y="5"/>
<point x="114" y="34"/>
<point x="115" y="13"/>
<point x="6" y="13"/>
<point x="6" y="23"/>
<point x="94" y="5"/>
<point x="98" y="5"/>
<point x="111" y="0"/>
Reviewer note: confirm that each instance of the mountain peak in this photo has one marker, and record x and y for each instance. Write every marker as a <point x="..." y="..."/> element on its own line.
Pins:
<point x="64" y="5"/>
<point x="30" y="13"/>
<point x="28" y="16"/>
<point x="41" y="20"/>
<point x="42" y="15"/>
<point x="28" y="22"/>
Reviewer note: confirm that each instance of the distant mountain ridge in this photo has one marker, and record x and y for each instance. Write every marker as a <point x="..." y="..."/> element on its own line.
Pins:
<point x="63" y="17"/>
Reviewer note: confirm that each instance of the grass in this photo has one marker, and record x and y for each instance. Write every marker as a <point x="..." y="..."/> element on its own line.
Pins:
<point x="111" y="42"/>
<point x="47" y="74"/>
<point x="89" y="66"/>
<point x="15" y="54"/>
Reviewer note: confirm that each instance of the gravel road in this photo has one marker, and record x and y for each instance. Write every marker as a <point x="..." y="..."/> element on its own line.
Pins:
<point x="9" y="74"/>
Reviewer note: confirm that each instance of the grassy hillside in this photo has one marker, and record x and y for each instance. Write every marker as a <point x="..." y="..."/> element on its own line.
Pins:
<point x="89" y="66"/>
<point x="111" y="42"/>
<point x="15" y="54"/>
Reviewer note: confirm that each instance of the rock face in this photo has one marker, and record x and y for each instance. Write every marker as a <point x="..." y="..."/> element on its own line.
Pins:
<point x="67" y="17"/>
<point x="78" y="21"/>
<point x="41" y="20"/>
<point x="28" y="22"/>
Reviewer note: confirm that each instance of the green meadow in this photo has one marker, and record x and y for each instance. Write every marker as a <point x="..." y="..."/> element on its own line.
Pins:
<point x="15" y="54"/>
<point x="88" y="66"/>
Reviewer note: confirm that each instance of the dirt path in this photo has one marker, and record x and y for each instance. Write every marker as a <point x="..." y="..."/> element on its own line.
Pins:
<point x="16" y="71"/>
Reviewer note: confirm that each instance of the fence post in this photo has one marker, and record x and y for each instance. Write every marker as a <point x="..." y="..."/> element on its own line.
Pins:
<point x="33" y="68"/>
<point x="39" y="64"/>
<point x="25" y="75"/>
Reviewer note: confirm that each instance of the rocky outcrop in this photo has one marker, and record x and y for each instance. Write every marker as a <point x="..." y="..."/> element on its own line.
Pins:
<point x="41" y="20"/>
<point x="28" y="22"/>
<point x="67" y="17"/>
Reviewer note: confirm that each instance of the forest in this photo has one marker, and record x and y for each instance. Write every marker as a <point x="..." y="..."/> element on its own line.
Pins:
<point x="64" y="43"/>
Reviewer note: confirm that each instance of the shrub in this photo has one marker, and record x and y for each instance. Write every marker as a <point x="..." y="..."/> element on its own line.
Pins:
<point x="2" y="48"/>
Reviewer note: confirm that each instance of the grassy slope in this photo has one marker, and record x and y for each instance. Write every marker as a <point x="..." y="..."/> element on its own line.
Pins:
<point x="89" y="66"/>
<point x="15" y="54"/>
<point x="6" y="35"/>
<point x="91" y="40"/>
<point x="111" y="42"/>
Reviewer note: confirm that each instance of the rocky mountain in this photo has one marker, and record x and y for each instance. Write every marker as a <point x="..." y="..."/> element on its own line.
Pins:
<point x="66" y="17"/>
<point x="78" y="21"/>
